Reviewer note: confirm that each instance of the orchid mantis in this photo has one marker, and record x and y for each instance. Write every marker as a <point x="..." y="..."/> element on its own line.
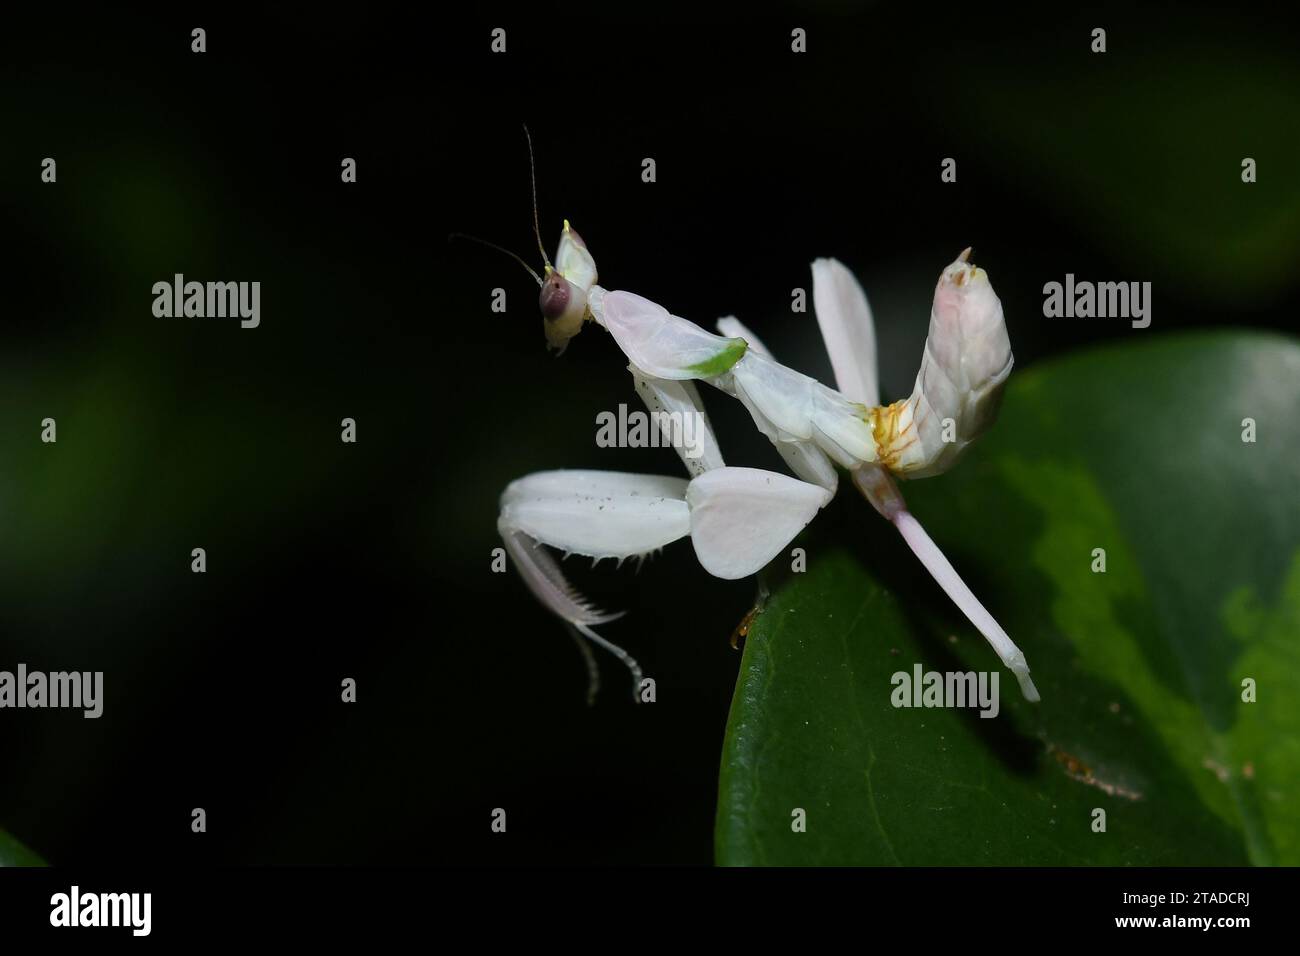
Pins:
<point x="739" y="519"/>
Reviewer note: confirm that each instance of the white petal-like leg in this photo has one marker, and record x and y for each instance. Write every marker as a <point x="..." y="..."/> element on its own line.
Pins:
<point x="676" y="405"/>
<point x="804" y="457"/>
<point x="880" y="490"/>
<point x="741" y="518"/>
<point x="810" y="463"/>
<point x="802" y="408"/>
<point x="848" y="330"/>
<point x="738" y="518"/>
<point x="600" y="514"/>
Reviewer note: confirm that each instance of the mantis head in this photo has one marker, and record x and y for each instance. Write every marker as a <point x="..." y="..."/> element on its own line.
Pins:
<point x="565" y="286"/>
<point x="563" y="299"/>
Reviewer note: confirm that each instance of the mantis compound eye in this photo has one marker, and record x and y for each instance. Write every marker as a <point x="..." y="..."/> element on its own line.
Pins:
<point x="554" y="297"/>
<point x="564" y="307"/>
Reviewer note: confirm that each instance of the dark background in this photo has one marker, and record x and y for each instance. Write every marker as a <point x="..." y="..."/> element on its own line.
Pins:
<point x="371" y="560"/>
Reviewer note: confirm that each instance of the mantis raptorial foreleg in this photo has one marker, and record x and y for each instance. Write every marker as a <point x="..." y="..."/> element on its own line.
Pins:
<point x="737" y="518"/>
<point x="594" y="513"/>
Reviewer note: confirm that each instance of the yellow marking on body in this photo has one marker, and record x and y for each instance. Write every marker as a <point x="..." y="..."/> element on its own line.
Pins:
<point x="885" y="430"/>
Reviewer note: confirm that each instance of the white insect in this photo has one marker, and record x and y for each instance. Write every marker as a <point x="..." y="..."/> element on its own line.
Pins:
<point x="739" y="519"/>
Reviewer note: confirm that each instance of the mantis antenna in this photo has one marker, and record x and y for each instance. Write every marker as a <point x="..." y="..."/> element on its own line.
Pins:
<point x="501" y="249"/>
<point x="532" y="176"/>
<point x="537" y="230"/>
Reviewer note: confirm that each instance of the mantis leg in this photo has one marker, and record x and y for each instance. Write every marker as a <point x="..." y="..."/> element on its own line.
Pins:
<point x="737" y="518"/>
<point x="741" y="518"/>
<point x="600" y="514"/>
<point x="804" y="458"/>
<point x="879" y="488"/>
<point x="675" y="407"/>
<point x="848" y="330"/>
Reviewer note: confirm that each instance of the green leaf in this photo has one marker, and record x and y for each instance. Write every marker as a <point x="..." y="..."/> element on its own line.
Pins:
<point x="1137" y="450"/>
<point x="13" y="853"/>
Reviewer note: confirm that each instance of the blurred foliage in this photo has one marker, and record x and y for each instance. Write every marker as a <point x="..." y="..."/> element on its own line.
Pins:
<point x="1142" y="148"/>
<point x="13" y="853"/>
